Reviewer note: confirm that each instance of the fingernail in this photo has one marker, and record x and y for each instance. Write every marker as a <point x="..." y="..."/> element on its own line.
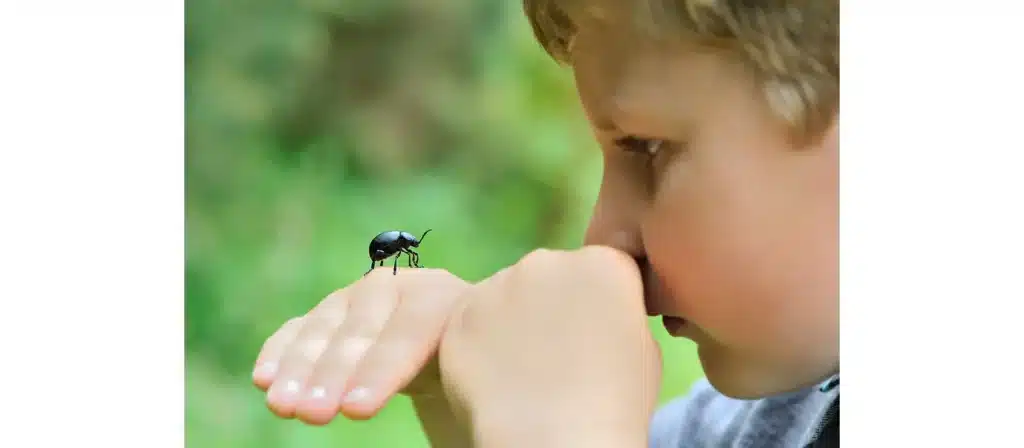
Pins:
<point x="356" y="395"/>
<point x="318" y="393"/>
<point x="264" y="370"/>
<point x="285" y="391"/>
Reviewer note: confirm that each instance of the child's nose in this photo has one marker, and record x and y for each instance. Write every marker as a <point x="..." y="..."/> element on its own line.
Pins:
<point x="616" y="220"/>
<point x="618" y="236"/>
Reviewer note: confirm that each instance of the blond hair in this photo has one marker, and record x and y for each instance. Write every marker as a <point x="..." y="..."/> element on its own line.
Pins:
<point x="791" y="47"/>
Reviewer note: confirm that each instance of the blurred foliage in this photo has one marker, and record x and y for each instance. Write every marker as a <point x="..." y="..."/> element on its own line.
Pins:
<point x="311" y="126"/>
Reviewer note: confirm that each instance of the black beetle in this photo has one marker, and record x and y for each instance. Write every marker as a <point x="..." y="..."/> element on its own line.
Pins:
<point x="394" y="243"/>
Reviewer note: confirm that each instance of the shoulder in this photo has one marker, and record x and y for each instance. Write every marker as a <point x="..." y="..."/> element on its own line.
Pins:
<point x="706" y="418"/>
<point x="702" y="418"/>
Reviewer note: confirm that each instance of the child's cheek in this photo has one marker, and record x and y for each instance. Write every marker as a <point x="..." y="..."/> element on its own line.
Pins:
<point x="710" y="283"/>
<point x="742" y="272"/>
<point x="723" y="271"/>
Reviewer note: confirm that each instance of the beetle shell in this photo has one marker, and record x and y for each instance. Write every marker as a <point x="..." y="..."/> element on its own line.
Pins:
<point x="387" y="243"/>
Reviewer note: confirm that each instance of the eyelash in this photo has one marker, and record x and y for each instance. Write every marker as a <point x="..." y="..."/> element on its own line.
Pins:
<point x="643" y="146"/>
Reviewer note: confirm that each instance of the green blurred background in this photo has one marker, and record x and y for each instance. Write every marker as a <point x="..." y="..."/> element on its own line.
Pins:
<point x="313" y="125"/>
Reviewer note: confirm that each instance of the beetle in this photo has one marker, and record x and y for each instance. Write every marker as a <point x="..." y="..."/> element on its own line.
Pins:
<point x="394" y="243"/>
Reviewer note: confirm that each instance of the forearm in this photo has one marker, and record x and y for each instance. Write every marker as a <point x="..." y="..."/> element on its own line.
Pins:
<point x="445" y="431"/>
<point x="589" y="439"/>
<point x="559" y="434"/>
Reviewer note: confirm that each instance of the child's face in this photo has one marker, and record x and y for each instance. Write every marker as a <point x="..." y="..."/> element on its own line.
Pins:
<point x="740" y="227"/>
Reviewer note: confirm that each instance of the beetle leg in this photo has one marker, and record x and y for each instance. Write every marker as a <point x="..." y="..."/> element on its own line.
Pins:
<point x="395" y="271"/>
<point x="373" y="264"/>
<point x="414" y="258"/>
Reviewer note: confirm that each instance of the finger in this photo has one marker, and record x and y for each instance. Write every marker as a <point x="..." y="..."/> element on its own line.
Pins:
<point x="405" y="348"/>
<point x="271" y="352"/>
<point x="369" y="310"/>
<point x="303" y="350"/>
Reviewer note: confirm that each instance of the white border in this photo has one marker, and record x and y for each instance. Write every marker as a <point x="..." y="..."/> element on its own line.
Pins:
<point x="931" y="225"/>
<point x="92" y="223"/>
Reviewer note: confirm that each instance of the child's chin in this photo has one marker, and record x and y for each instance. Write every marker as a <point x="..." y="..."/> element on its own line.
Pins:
<point x="742" y="380"/>
<point x="731" y="376"/>
<point x="733" y="387"/>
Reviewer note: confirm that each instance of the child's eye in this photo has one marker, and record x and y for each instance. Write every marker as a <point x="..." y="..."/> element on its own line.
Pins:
<point x="644" y="146"/>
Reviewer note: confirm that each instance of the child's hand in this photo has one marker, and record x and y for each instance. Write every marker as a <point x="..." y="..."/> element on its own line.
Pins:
<point x="552" y="349"/>
<point x="379" y="333"/>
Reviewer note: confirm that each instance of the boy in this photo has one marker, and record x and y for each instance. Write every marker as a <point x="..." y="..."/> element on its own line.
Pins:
<point x="718" y="121"/>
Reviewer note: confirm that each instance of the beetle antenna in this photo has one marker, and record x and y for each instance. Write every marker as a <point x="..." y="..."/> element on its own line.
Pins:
<point x="425" y="234"/>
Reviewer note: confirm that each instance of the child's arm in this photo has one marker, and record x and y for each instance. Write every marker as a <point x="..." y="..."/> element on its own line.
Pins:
<point x="554" y="351"/>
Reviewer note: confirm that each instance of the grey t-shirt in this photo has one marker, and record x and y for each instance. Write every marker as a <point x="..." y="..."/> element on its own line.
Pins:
<point x="705" y="418"/>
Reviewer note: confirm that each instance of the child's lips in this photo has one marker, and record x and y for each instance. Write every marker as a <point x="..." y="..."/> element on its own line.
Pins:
<point x="655" y="296"/>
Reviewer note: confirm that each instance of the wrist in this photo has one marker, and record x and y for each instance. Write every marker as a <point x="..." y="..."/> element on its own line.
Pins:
<point x="559" y="433"/>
